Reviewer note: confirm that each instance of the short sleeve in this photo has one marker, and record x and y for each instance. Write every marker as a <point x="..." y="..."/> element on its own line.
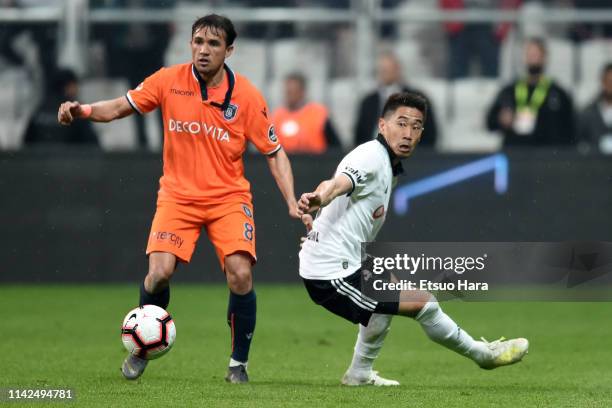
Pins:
<point x="360" y="168"/>
<point x="260" y="130"/>
<point x="147" y="96"/>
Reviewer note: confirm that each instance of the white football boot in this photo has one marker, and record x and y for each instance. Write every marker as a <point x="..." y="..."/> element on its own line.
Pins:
<point x="133" y="367"/>
<point x="369" y="378"/>
<point x="504" y="352"/>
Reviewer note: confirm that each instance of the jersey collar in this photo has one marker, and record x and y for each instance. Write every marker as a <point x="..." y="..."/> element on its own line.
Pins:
<point x="398" y="168"/>
<point x="231" y="81"/>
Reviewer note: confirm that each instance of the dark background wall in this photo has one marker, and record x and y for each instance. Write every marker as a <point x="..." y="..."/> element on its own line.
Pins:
<point x="85" y="216"/>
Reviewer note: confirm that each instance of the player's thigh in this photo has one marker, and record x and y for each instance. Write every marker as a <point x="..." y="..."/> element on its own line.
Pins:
<point x="175" y="230"/>
<point x="232" y="231"/>
<point x="345" y="297"/>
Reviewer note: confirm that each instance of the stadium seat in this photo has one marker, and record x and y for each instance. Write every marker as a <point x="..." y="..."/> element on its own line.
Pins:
<point x="308" y="57"/>
<point x="8" y="99"/>
<point x="6" y="141"/>
<point x="178" y="51"/>
<point x="561" y="62"/>
<point x="343" y="106"/>
<point x="594" y="54"/>
<point x="510" y="57"/>
<point x="437" y="90"/>
<point x="466" y="129"/>
<point x="17" y="100"/>
<point x="116" y="135"/>
<point x="249" y="59"/>
<point x="414" y="64"/>
<point x="17" y="92"/>
<point x="585" y="93"/>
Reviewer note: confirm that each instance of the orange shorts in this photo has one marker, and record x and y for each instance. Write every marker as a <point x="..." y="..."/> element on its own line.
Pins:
<point x="176" y="229"/>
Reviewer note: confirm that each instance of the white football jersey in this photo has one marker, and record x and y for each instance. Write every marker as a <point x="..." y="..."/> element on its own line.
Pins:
<point x="332" y="249"/>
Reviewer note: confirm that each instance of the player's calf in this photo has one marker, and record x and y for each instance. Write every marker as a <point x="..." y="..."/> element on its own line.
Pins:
<point x="241" y="314"/>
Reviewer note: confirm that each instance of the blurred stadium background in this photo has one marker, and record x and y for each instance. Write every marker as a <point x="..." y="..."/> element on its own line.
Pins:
<point x="73" y="213"/>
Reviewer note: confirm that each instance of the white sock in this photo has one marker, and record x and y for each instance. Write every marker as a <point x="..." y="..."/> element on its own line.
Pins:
<point x="234" y="363"/>
<point x="369" y="342"/>
<point x="443" y="330"/>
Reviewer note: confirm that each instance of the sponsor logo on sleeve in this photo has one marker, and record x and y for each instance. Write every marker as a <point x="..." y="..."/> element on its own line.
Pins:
<point x="272" y="134"/>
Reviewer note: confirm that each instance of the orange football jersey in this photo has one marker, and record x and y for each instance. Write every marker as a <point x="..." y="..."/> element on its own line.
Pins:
<point x="205" y="132"/>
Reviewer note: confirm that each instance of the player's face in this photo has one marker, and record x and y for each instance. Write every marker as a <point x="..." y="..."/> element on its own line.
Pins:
<point x="402" y="129"/>
<point x="209" y="50"/>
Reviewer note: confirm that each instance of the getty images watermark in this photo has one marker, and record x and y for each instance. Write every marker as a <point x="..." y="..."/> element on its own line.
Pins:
<point x="532" y="271"/>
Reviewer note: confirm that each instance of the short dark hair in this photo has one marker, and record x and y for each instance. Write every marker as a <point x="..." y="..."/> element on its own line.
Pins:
<point x="216" y="22"/>
<point x="298" y="77"/>
<point x="409" y="99"/>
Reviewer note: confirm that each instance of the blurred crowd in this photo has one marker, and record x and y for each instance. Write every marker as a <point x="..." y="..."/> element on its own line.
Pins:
<point x="533" y="109"/>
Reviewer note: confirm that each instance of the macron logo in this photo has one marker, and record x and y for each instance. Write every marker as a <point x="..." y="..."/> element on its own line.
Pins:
<point x="181" y="92"/>
<point x="196" y="128"/>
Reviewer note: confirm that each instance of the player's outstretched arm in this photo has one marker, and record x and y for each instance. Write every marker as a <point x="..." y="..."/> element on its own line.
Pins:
<point x="324" y="194"/>
<point x="103" y="111"/>
<point x="280" y="167"/>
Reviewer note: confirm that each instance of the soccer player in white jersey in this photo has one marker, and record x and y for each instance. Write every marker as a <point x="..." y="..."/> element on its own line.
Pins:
<point x="351" y="209"/>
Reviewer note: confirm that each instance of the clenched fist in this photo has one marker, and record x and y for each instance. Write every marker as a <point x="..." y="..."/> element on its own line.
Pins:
<point x="68" y="112"/>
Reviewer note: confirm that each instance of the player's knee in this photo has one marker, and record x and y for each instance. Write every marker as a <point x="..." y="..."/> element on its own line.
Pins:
<point x="428" y="309"/>
<point x="238" y="273"/>
<point x="160" y="274"/>
<point x="413" y="303"/>
<point x="239" y="279"/>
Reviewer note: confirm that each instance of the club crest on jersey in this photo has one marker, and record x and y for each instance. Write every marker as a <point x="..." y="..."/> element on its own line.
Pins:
<point x="344" y="264"/>
<point x="272" y="134"/>
<point x="230" y="112"/>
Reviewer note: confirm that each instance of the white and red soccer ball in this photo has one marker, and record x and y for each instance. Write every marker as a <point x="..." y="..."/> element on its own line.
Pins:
<point x="148" y="332"/>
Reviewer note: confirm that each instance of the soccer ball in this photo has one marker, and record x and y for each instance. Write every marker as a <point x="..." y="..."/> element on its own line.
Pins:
<point x="148" y="332"/>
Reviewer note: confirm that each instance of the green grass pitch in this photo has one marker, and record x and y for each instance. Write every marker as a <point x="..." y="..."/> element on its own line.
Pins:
<point x="68" y="336"/>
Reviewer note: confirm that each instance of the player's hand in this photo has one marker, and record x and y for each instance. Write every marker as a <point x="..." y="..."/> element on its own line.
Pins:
<point x="68" y="112"/>
<point x="294" y="211"/>
<point x="309" y="202"/>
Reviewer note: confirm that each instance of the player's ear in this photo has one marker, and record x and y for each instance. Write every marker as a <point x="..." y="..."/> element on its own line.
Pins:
<point x="229" y="50"/>
<point x="382" y="125"/>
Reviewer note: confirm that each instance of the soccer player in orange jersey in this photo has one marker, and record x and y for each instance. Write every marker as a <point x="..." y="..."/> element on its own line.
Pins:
<point x="209" y="112"/>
